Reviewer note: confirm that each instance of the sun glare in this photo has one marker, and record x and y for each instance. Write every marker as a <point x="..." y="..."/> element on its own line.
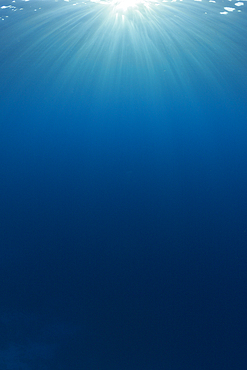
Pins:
<point x="127" y="4"/>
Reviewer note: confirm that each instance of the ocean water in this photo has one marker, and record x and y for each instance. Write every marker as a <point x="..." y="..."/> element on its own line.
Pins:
<point x="123" y="185"/>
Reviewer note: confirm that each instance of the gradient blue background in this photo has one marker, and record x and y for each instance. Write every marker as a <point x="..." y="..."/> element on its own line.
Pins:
<point x="123" y="189"/>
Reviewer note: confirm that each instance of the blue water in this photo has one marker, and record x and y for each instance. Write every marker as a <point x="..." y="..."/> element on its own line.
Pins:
<point x="123" y="177"/>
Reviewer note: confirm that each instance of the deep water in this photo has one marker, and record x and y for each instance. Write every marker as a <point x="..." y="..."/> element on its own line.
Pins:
<point x="123" y="177"/>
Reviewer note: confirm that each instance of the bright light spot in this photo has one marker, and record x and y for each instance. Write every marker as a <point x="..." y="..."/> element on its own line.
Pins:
<point x="126" y="4"/>
<point x="229" y="9"/>
<point x="239" y="3"/>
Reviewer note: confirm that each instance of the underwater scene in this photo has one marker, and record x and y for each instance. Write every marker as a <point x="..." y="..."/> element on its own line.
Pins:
<point x="123" y="185"/>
